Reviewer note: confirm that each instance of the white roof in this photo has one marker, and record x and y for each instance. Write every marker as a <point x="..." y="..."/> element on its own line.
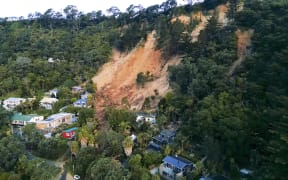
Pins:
<point x="133" y="137"/>
<point x="15" y="99"/>
<point x="48" y="100"/>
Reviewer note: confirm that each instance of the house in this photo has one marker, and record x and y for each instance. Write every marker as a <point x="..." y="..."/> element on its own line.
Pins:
<point x="165" y="137"/>
<point x="69" y="133"/>
<point x="12" y="102"/>
<point x="47" y="102"/>
<point x="174" y="167"/>
<point x="52" y="93"/>
<point x="150" y="118"/>
<point x="80" y="103"/>
<point x="217" y="177"/>
<point x="19" y="119"/>
<point x="55" y="120"/>
<point x="77" y="89"/>
<point x="133" y="137"/>
<point x="85" y="95"/>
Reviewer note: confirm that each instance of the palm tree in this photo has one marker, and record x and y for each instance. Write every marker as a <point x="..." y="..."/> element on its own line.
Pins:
<point x="83" y="135"/>
<point x="128" y="145"/>
<point x="74" y="147"/>
<point x="124" y="127"/>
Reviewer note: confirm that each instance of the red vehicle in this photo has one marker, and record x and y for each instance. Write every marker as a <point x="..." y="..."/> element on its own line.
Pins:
<point x="69" y="133"/>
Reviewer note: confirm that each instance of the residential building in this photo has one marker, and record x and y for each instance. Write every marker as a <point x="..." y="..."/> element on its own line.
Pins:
<point x="69" y="133"/>
<point x="52" y="93"/>
<point x="85" y="95"/>
<point x="80" y="103"/>
<point x="19" y="119"/>
<point x="77" y="89"/>
<point x="165" y="137"/>
<point x="174" y="167"/>
<point x="217" y="177"/>
<point x="47" y="102"/>
<point x="12" y="102"/>
<point x="56" y="120"/>
<point x="150" y="118"/>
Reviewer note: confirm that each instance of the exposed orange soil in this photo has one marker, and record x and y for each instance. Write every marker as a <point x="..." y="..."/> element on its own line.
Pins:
<point x="183" y="19"/>
<point x="196" y="16"/>
<point x="116" y="81"/>
<point x="201" y="26"/>
<point x="222" y="14"/>
<point x="244" y="41"/>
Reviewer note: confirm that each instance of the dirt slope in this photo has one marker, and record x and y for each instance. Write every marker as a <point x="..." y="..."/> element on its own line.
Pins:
<point x="243" y="43"/>
<point x="221" y="13"/>
<point x="116" y="81"/>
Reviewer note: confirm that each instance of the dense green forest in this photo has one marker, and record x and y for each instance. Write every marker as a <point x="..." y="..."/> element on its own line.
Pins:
<point x="230" y="121"/>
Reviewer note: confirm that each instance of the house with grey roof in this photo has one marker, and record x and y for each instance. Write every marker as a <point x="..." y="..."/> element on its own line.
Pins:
<point x="47" y="102"/>
<point x="165" y="137"/>
<point x="174" y="167"/>
<point x="12" y="102"/>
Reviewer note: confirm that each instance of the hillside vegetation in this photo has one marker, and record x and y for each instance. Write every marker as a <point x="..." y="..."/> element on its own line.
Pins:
<point x="217" y="71"/>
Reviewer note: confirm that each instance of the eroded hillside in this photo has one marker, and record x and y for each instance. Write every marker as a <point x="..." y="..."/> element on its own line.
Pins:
<point x="220" y="12"/>
<point x="116" y="81"/>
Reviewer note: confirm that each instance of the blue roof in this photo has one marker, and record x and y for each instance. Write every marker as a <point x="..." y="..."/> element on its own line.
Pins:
<point x="81" y="101"/>
<point x="56" y="116"/>
<point x="71" y="129"/>
<point x="177" y="161"/>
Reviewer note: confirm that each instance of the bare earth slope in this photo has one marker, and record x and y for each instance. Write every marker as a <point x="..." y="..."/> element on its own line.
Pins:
<point x="116" y="81"/>
<point x="221" y="13"/>
<point x="244" y="41"/>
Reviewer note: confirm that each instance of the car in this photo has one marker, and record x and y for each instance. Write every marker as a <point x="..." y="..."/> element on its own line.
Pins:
<point x="76" y="177"/>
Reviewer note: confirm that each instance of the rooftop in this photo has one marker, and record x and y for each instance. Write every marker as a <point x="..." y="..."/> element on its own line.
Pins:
<point x="21" y="117"/>
<point x="71" y="129"/>
<point x="15" y="99"/>
<point x="177" y="161"/>
<point x="167" y="133"/>
<point x="56" y="116"/>
<point x="80" y="101"/>
<point x="48" y="100"/>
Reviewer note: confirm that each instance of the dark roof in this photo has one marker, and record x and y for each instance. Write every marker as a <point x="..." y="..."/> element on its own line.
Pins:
<point x="177" y="161"/>
<point x="167" y="133"/>
<point x="220" y="177"/>
<point x="71" y="129"/>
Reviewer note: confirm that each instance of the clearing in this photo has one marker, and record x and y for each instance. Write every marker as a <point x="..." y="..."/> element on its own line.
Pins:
<point x="243" y="44"/>
<point x="116" y="80"/>
<point x="221" y="14"/>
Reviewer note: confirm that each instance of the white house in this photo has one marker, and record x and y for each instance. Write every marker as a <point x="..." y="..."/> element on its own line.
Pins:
<point x="146" y="118"/>
<point x="48" y="102"/>
<point x="52" y="93"/>
<point x="77" y="89"/>
<point x="56" y="120"/>
<point x="12" y="102"/>
<point x="19" y="119"/>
